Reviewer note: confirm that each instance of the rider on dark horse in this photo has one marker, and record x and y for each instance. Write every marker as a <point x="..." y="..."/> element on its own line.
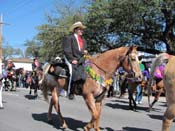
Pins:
<point x="74" y="47"/>
<point x="10" y="71"/>
<point x="36" y="65"/>
<point x="34" y="77"/>
<point x="10" y="65"/>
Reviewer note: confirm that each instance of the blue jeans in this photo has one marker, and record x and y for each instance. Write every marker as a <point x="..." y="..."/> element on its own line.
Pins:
<point x="138" y="93"/>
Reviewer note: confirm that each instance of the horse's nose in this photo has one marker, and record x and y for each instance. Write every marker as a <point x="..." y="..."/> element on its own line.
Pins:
<point x="140" y="77"/>
<point x="132" y="74"/>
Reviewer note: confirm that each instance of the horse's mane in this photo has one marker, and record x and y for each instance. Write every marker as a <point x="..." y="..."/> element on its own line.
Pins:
<point x="109" y="60"/>
<point x="111" y="51"/>
<point x="160" y="59"/>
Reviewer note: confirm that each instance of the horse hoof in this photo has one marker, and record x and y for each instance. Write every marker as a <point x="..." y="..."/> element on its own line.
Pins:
<point x="149" y="109"/>
<point x="2" y="107"/>
<point x="134" y="110"/>
<point x="64" y="126"/>
<point x="86" y="129"/>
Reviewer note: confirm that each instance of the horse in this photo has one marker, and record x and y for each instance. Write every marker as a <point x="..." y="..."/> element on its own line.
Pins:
<point x="12" y="79"/>
<point x="33" y="83"/>
<point x="131" y="83"/>
<point x="93" y="92"/>
<point x="169" y="85"/>
<point x="156" y="84"/>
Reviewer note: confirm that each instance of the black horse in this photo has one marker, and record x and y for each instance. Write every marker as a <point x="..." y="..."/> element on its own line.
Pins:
<point x="12" y="78"/>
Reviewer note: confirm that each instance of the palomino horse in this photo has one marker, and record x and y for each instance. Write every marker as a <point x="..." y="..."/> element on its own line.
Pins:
<point x="158" y="89"/>
<point x="169" y="85"/>
<point x="156" y="84"/>
<point x="104" y="65"/>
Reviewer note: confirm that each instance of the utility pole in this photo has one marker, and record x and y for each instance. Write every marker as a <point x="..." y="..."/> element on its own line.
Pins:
<point x="1" y="44"/>
<point x="1" y="23"/>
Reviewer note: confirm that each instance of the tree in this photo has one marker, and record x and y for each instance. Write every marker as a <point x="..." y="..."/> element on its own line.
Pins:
<point x="147" y="23"/>
<point x="52" y="33"/>
<point x="32" y="49"/>
<point x="9" y="52"/>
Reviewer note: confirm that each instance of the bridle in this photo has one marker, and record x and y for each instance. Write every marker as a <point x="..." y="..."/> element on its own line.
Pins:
<point x="129" y="61"/>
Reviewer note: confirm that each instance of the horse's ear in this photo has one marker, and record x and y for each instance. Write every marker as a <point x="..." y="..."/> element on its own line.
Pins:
<point x="131" y="48"/>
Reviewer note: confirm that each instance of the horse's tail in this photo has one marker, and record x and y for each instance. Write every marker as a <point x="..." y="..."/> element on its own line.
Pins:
<point x="45" y="71"/>
<point x="45" y="90"/>
<point x="43" y="83"/>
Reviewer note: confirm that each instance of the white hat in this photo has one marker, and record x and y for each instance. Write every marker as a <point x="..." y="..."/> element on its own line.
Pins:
<point x="77" y="24"/>
<point x="9" y="60"/>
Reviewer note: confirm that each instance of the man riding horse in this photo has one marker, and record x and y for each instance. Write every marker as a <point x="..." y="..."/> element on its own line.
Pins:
<point x="10" y="68"/>
<point x="10" y="65"/>
<point x="74" y="47"/>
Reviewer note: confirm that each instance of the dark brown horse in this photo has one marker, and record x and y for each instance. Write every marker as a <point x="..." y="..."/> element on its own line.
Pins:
<point x="105" y="65"/>
<point x="132" y="85"/>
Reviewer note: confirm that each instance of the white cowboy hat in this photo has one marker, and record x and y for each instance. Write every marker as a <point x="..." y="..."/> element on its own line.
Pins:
<point x="9" y="60"/>
<point x="77" y="24"/>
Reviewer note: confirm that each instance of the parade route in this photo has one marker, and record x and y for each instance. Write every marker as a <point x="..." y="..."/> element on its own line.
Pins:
<point x="22" y="112"/>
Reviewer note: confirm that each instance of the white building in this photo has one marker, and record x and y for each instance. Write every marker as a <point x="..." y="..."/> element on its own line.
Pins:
<point x="23" y="63"/>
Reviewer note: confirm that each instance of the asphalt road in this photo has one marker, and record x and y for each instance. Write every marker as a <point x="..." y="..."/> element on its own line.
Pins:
<point x="24" y="113"/>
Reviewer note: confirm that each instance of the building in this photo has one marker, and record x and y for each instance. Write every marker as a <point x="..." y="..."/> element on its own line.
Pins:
<point x="23" y="63"/>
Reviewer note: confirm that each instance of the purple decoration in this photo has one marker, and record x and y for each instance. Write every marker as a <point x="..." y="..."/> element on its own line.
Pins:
<point x="159" y="72"/>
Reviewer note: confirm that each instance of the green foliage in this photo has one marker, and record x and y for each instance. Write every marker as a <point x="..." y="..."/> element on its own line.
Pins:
<point x="32" y="49"/>
<point x="9" y="52"/>
<point x="52" y="33"/>
<point x="114" y="23"/>
<point x="110" y="24"/>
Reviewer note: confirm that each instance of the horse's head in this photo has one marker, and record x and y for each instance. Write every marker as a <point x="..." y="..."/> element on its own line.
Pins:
<point x="130" y="63"/>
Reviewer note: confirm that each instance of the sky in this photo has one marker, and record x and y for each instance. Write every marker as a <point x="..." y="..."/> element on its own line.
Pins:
<point x="21" y="17"/>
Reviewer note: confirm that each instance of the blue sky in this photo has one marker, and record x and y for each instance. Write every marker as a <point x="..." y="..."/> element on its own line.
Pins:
<point x="22" y="17"/>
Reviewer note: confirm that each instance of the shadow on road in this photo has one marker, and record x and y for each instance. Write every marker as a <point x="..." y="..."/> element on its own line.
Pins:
<point x="120" y="104"/>
<point x="127" y="129"/>
<point x="157" y="117"/>
<point x="134" y="129"/>
<point x="73" y="124"/>
<point x="30" y="97"/>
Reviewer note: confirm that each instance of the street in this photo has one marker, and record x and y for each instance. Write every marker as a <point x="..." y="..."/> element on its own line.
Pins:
<point x="24" y="113"/>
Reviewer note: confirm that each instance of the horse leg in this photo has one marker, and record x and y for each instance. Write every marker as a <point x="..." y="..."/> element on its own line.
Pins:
<point x="130" y="103"/>
<point x="130" y="98"/>
<point x="30" y="92"/>
<point x="99" y="108"/>
<point x="168" y="117"/>
<point x="35" y="90"/>
<point x="156" y="98"/>
<point x="49" y="115"/>
<point x="90" y="101"/>
<point x="55" y="102"/>
<point x="135" y="105"/>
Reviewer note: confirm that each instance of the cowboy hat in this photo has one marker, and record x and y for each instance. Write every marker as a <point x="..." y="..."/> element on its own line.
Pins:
<point x="77" y="24"/>
<point x="9" y="60"/>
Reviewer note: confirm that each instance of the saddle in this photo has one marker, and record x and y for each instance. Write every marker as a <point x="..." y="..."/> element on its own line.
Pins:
<point x="59" y="69"/>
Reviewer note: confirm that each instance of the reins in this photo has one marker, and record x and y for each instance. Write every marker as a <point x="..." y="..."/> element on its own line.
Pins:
<point x="129" y="62"/>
